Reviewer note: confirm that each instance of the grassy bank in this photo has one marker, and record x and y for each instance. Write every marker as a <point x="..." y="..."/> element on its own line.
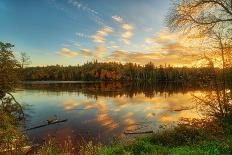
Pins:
<point x="193" y="137"/>
<point x="148" y="146"/>
<point x="189" y="137"/>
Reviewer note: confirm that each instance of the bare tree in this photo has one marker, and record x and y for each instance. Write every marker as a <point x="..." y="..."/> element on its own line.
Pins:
<point x="212" y="21"/>
<point x="204" y="15"/>
<point x="24" y="59"/>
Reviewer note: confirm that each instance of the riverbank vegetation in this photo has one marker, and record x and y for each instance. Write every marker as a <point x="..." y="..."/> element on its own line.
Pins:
<point x="209" y="20"/>
<point x="189" y="136"/>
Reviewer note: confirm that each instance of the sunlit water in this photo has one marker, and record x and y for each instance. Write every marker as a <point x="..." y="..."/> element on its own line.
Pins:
<point x="100" y="112"/>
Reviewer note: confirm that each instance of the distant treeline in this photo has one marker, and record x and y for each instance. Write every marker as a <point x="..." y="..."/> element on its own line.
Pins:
<point x="114" y="89"/>
<point x="112" y="71"/>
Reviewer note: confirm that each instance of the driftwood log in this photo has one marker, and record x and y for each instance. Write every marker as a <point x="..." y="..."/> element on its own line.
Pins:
<point x="49" y="123"/>
<point x="138" y="132"/>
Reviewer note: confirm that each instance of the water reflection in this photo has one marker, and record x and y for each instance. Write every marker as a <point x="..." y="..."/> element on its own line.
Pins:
<point x="100" y="111"/>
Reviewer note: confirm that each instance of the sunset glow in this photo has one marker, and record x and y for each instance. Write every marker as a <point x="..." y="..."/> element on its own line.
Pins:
<point x="74" y="32"/>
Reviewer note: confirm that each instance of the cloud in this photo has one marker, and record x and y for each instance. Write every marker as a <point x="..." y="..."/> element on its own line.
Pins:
<point x="99" y="37"/>
<point x="67" y="52"/>
<point x="86" y="52"/>
<point x="117" y="19"/>
<point x="74" y="43"/>
<point x="149" y="40"/>
<point x="95" y="54"/>
<point x="178" y="43"/>
<point x="139" y="57"/>
<point x="100" y="51"/>
<point x="127" y="27"/>
<point x="79" y="5"/>
<point x="127" y="34"/>
<point x="80" y="34"/>
<point x="149" y="29"/>
<point x="163" y="48"/>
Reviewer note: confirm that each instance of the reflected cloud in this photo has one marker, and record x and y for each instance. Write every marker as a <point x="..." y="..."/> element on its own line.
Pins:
<point x="106" y="121"/>
<point x="70" y="104"/>
<point x="125" y="112"/>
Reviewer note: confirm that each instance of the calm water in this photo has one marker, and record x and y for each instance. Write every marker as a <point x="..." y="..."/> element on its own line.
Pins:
<point x="102" y="111"/>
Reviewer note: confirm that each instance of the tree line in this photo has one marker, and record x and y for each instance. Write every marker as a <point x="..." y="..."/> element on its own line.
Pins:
<point x="113" y="71"/>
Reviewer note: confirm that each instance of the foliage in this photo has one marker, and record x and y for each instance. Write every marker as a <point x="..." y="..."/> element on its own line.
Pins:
<point x="8" y="69"/>
<point x="189" y="132"/>
<point x="11" y="114"/>
<point x="102" y="71"/>
<point x="11" y="138"/>
<point x="52" y="146"/>
<point x="189" y="137"/>
<point x="89" y="148"/>
<point x="210" y="20"/>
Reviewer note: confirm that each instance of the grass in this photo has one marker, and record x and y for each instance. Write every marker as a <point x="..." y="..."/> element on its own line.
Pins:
<point x="190" y="137"/>
<point x="11" y="138"/>
<point x="146" y="147"/>
<point x="193" y="137"/>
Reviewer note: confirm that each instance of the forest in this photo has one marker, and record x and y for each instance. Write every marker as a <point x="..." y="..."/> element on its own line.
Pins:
<point x="113" y="71"/>
<point x="117" y="99"/>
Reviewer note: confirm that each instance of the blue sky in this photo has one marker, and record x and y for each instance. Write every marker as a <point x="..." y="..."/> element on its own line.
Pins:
<point x="75" y="31"/>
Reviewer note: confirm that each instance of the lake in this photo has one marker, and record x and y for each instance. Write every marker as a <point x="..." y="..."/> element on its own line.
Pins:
<point x="102" y="112"/>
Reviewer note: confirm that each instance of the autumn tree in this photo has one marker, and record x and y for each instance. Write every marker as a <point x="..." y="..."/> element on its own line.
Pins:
<point x="11" y="112"/>
<point x="210" y="20"/>
<point x="8" y="69"/>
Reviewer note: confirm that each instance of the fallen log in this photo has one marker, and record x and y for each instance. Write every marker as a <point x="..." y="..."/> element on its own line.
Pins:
<point x="49" y="123"/>
<point x="141" y="132"/>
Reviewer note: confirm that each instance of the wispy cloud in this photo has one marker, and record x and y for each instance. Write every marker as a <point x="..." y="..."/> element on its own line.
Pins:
<point x="67" y="52"/>
<point x="79" y="5"/>
<point x="101" y="34"/>
<point x="94" y="15"/>
<point x="86" y="52"/>
<point x="80" y="34"/>
<point x="98" y="53"/>
<point x="117" y="18"/>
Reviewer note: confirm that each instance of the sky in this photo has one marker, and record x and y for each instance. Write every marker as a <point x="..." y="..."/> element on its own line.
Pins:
<point x="71" y="32"/>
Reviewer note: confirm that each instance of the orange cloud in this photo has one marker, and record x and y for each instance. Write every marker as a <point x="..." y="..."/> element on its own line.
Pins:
<point x="67" y="52"/>
<point x="163" y="48"/>
<point x="127" y="27"/>
<point x="100" y="51"/>
<point x="99" y="37"/>
<point x="86" y="52"/>
<point x="127" y="33"/>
